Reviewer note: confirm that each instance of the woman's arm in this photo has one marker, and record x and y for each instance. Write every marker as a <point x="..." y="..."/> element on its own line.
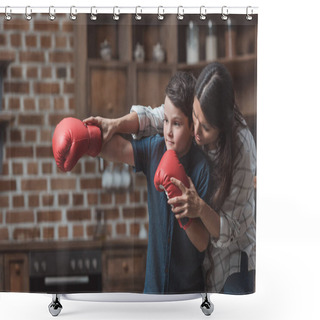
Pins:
<point x="190" y="205"/>
<point x="198" y="235"/>
<point x="140" y="122"/>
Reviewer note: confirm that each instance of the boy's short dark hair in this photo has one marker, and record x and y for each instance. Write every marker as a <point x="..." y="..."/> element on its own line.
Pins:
<point x="180" y="91"/>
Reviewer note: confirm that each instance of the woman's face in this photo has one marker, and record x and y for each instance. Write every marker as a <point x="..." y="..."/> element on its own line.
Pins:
<point x="204" y="133"/>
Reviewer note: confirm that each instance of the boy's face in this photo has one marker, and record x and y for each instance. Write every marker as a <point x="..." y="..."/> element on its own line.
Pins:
<point x="176" y="129"/>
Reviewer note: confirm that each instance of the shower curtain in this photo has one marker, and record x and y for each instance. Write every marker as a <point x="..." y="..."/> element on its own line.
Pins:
<point x="88" y="229"/>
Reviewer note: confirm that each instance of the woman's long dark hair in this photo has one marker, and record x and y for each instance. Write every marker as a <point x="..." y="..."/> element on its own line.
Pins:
<point x="214" y="90"/>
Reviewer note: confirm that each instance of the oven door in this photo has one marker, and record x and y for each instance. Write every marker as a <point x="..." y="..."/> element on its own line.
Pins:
<point x="65" y="271"/>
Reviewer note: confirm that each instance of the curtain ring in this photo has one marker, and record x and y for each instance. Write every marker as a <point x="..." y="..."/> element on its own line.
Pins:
<point x="28" y="13"/>
<point x="116" y="14"/>
<point x="224" y="13"/>
<point x="160" y="15"/>
<point x="249" y="15"/>
<point x="7" y="13"/>
<point x="203" y="13"/>
<point x="180" y="13"/>
<point x="73" y="13"/>
<point x="52" y="13"/>
<point x="138" y="16"/>
<point x="93" y="16"/>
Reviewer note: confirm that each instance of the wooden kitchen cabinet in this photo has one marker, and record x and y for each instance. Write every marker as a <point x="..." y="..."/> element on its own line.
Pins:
<point x="16" y="272"/>
<point x="110" y="88"/>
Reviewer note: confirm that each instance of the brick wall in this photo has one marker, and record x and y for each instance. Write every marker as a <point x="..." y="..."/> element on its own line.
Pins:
<point x="37" y="201"/>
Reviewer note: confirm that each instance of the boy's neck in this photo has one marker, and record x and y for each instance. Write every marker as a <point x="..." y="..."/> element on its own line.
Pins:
<point x="187" y="149"/>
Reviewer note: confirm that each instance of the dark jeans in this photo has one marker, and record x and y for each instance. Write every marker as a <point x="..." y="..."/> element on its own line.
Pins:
<point x="242" y="282"/>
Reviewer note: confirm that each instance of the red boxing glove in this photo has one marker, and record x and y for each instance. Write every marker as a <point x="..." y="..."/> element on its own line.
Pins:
<point x="72" y="139"/>
<point x="170" y="167"/>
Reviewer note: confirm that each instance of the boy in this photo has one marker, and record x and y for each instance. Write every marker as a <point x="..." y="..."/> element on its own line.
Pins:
<point x="174" y="257"/>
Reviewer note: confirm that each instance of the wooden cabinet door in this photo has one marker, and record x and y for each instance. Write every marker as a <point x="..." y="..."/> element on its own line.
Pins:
<point x="16" y="272"/>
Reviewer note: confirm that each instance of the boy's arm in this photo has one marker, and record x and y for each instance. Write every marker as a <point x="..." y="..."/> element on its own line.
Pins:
<point x="118" y="149"/>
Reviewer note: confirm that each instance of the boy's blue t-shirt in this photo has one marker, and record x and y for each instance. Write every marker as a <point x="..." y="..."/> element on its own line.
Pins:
<point x="174" y="265"/>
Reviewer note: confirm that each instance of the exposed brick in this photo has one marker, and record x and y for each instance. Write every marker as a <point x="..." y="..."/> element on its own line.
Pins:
<point x="77" y="199"/>
<point x="32" y="168"/>
<point x="5" y="169"/>
<point x="78" y="215"/>
<point x="18" y="25"/>
<point x="92" y="199"/>
<point x="61" y="73"/>
<point x="33" y="201"/>
<point x="7" y="185"/>
<point x="15" y="135"/>
<point x="46" y="168"/>
<point x="44" y="152"/>
<point x="54" y="119"/>
<point x="31" y="41"/>
<point x="47" y="200"/>
<point x="91" y="183"/>
<point x="61" y="57"/>
<point x="121" y="197"/>
<point x="29" y="104"/>
<point x="49" y="216"/>
<point x="4" y="234"/>
<point x="44" y="104"/>
<point x="46" y="135"/>
<point x="48" y="233"/>
<point x="34" y="184"/>
<point x="90" y="166"/>
<point x="18" y="201"/>
<point x="60" y="41"/>
<point x="68" y="88"/>
<point x="46" y="26"/>
<point x="45" y="41"/>
<point x="67" y="26"/>
<point x="19" y="152"/>
<point x="32" y="72"/>
<point x="106" y="198"/>
<point x="30" y="119"/>
<point x="59" y="103"/>
<point x="135" y="196"/>
<point x="91" y="230"/>
<point x="19" y="217"/>
<point x="46" y="88"/>
<point x="14" y="103"/>
<point x="32" y="56"/>
<point x="111" y="214"/>
<point x="16" y="72"/>
<point x="21" y="87"/>
<point x="63" y="199"/>
<point x="134" y="229"/>
<point x="23" y="234"/>
<point x="30" y="136"/>
<point x="17" y="168"/>
<point x="63" y="184"/>
<point x="138" y="212"/>
<point x="3" y="39"/>
<point x="121" y="228"/>
<point x="63" y="232"/>
<point x="4" y="202"/>
<point x="46" y="72"/>
<point x="78" y="231"/>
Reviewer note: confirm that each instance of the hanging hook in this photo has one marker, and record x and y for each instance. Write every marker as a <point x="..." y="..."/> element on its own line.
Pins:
<point x="93" y="16"/>
<point x="249" y="15"/>
<point x="160" y="15"/>
<point x="180" y="13"/>
<point x="52" y="13"/>
<point x="138" y="16"/>
<point x="28" y="13"/>
<point x="203" y="13"/>
<point x="116" y="14"/>
<point x="73" y="13"/>
<point x="7" y="13"/>
<point x="224" y="13"/>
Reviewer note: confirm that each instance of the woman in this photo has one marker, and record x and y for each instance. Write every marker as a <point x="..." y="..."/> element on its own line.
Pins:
<point x="222" y="133"/>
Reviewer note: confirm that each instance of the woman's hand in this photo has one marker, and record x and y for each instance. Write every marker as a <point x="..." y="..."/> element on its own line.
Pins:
<point x="189" y="204"/>
<point x="108" y="126"/>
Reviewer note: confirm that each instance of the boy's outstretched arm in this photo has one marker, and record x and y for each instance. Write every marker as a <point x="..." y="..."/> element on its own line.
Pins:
<point x="118" y="149"/>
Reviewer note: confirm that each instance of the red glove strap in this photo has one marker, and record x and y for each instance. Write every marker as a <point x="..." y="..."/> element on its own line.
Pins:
<point x="187" y="225"/>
